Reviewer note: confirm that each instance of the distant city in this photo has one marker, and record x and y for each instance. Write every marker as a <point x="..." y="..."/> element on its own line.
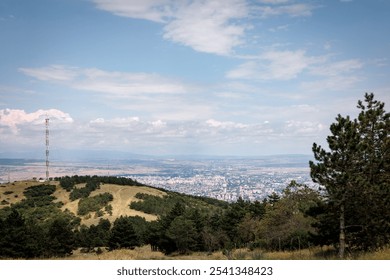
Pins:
<point x="224" y="178"/>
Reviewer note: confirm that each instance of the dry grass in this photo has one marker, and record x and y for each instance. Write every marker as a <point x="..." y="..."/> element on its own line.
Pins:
<point x="314" y="253"/>
<point x="123" y="196"/>
<point x="15" y="190"/>
<point x="142" y="253"/>
<point x="145" y="253"/>
<point x="381" y="254"/>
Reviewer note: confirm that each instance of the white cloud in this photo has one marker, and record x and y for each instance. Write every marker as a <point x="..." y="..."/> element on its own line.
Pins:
<point x="204" y="25"/>
<point x="116" y="122"/>
<point x="334" y="83"/>
<point x="274" y="1"/>
<point x="154" y="10"/>
<point x="321" y="73"/>
<point x="292" y="10"/>
<point x="158" y="124"/>
<point x="378" y="62"/>
<point x="337" y="68"/>
<point x="120" y="84"/>
<point x="285" y="65"/>
<point x="14" y="118"/>
<point x="210" y="26"/>
<point x="224" y="125"/>
<point x="279" y="28"/>
<point x="303" y="128"/>
<point x="146" y="135"/>
<point x="98" y="121"/>
<point x="340" y="75"/>
<point x="247" y="70"/>
<point x="274" y="65"/>
<point x="125" y="84"/>
<point x="150" y="95"/>
<point x="58" y="73"/>
<point x="207" y="26"/>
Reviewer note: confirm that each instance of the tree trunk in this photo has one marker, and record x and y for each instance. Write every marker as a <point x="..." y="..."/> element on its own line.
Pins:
<point x="342" y="231"/>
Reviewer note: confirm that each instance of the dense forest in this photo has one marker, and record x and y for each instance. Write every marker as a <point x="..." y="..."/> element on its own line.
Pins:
<point x="350" y="211"/>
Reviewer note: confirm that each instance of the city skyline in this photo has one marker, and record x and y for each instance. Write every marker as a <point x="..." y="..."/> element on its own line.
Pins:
<point x="164" y="77"/>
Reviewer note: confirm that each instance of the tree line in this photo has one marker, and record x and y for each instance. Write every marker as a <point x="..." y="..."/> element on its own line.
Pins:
<point x="36" y="227"/>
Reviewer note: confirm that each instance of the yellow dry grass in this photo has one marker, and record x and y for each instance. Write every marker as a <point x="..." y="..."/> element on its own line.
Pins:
<point x="142" y="253"/>
<point x="314" y="253"/>
<point x="145" y="253"/>
<point x="380" y="254"/>
<point x="16" y="190"/>
<point x="122" y="197"/>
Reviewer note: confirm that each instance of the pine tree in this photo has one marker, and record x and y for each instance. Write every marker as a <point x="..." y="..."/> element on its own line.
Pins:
<point x="355" y="175"/>
<point x="164" y="241"/>
<point x="17" y="238"/>
<point x="123" y="234"/>
<point x="183" y="232"/>
<point x="60" y="238"/>
<point x="373" y="179"/>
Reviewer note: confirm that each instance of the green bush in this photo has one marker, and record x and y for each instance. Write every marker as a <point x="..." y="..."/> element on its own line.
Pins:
<point x="152" y="204"/>
<point x="90" y="186"/>
<point x="40" y="190"/>
<point x="93" y="204"/>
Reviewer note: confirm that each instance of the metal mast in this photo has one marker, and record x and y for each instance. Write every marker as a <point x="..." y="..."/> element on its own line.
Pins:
<point x="47" y="148"/>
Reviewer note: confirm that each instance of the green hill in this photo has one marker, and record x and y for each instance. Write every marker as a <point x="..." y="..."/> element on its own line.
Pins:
<point x="129" y="198"/>
<point x="13" y="194"/>
<point x="91" y="208"/>
<point x="95" y="214"/>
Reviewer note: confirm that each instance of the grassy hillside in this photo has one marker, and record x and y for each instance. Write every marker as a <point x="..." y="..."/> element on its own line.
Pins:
<point x="55" y="218"/>
<point x="84" y="217"/>
<point x="12" y="193"/>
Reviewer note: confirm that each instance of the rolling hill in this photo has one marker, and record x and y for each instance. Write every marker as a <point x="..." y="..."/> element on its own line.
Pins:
<point x="123" y="195"/>
<point x="55" y="218"/>
<point x="92" y="198"/>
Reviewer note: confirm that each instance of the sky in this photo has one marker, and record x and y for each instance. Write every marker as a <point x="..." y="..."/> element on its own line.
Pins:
<point x="186" y="77"/>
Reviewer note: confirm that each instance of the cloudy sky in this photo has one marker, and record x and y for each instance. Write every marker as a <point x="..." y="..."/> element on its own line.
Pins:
<point x="199" y="77"/>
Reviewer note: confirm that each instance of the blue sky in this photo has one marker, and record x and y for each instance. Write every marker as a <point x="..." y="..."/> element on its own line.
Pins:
<point x="167" y="77"/>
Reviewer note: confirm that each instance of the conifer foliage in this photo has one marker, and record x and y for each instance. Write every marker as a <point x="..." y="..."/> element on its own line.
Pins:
<point x="355" y="173"/>
<point x="123" y="234"/>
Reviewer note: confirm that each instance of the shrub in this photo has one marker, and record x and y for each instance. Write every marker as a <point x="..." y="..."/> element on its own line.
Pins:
<point x="94" y="204"/>
<point x="40" y="190"/>
<point x="90" y="186"/>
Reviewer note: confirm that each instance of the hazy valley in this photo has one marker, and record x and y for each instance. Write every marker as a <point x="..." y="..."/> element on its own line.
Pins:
<point x="224" y="178"/>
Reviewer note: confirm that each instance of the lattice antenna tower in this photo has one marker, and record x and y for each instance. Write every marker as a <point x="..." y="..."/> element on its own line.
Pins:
<point x="47" y="148"/>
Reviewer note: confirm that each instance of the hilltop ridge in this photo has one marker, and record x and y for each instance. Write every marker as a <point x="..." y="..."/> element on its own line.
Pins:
<point x="12" y="194"/>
